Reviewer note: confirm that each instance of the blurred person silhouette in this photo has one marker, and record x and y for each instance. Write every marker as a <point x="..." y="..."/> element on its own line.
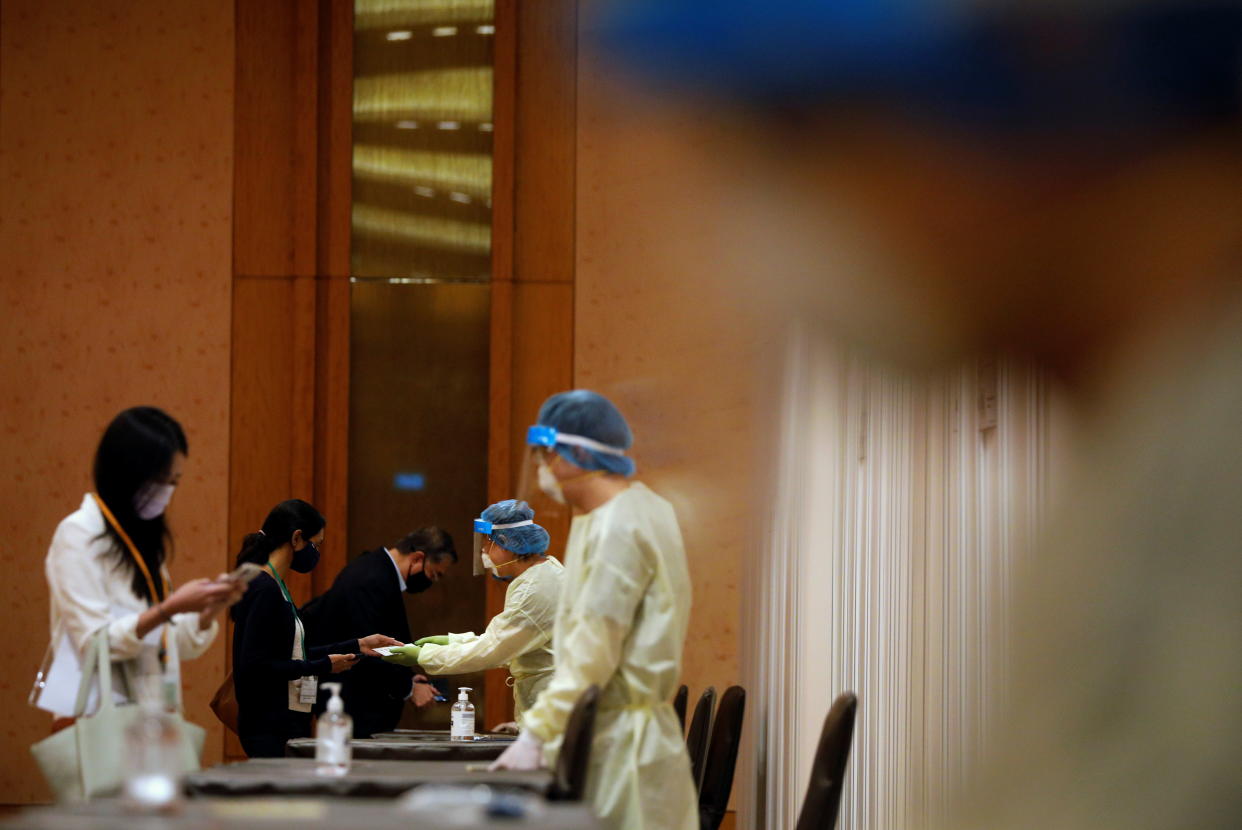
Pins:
<point x="1057" y="180"/>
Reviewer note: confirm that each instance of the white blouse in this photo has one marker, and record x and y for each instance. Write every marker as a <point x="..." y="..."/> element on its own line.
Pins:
<point x="89" y="592"/>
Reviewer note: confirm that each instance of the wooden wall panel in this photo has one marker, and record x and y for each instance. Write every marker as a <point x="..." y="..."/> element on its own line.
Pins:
<point x="335" y="177"/>
<point x="533" y="244"/>
<point x="546" y="123"/>
<point x="290" y="376"/>
<point x="115" y="244"/>
<point x="274" y="123"/>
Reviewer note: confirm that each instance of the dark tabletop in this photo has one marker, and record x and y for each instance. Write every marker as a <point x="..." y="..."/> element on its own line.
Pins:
<point x="275" y="814"/>
<point x="365" y="779"/>
<point x="410" y="749"/>
<point x="437" y="735"/>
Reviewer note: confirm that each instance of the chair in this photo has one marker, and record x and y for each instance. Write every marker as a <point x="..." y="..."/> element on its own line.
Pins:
<point x="721" y="758"/>
<point x="700" y="731"/>
<point x="823" y="794"/>
<point x="679" y="705"/>
<point x="569" y="777"/>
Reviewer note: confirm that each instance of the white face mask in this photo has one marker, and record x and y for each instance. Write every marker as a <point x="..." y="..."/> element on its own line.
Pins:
<point x="153" y="499"/>
<point x="549" y="485"/>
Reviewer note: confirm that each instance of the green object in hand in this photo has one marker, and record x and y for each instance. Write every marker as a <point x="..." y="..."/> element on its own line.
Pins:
<point x="403" y="656"/>
<point x="437" y="640"/>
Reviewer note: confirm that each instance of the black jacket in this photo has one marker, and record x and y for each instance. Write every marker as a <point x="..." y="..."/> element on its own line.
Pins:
<point x="366" y="599"/>
<point x="262" y="662"/>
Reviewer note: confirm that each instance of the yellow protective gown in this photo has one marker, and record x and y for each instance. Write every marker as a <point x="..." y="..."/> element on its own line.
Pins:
<point x="621" y="625"/>
<point x="519" y="637"/>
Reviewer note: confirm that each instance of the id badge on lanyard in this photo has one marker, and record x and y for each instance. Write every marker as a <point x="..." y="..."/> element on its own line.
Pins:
<point x="309" y="690"/>
<point x="308" y="686"/>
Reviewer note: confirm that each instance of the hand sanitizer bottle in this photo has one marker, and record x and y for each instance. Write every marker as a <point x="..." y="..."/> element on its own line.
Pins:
<point x="463" y="716"/>
<point x="152" y="755"/>
<point x="332" y="734"/>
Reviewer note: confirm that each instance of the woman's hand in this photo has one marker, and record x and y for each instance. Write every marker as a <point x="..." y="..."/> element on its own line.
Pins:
<point x="437" y="640"/>
<point x="208" y="614"/>
<point x="367" y="645"/>
<point x="342" y="662"/>
<point x="199" y="595"/>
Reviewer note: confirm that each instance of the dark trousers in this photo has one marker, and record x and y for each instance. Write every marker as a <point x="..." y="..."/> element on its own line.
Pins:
<point x="268" y="741"/>
<point x="371" y="716"/>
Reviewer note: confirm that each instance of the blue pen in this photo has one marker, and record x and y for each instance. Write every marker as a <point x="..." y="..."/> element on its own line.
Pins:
<point x="439" y="698"/>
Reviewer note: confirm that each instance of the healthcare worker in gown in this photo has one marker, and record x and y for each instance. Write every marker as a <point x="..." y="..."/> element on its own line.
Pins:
<point x="621" y="623"/>
<point x="513" y="549"/>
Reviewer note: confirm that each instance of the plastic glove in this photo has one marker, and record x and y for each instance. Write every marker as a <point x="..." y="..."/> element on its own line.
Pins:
<point x="525" y="753"/>
<point x="437" y="640"/>
<point x="403" y="656"/>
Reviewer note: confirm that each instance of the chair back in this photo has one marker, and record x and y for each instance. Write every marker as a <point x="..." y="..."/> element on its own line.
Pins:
<point x="721" y="758"/>
<point x="823" y="794"/>
<point x="679" y="705"/>
<point x="569" y="777"/>
<point x="700" y="731"/>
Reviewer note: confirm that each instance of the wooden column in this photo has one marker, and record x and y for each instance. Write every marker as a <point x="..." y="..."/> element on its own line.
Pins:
<point x="532" y="247"/>
<point x="289" y="400"/>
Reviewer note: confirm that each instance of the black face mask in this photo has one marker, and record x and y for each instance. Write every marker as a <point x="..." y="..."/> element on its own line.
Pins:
<point x="305" y="560"/>
<point x="417" y="583"/>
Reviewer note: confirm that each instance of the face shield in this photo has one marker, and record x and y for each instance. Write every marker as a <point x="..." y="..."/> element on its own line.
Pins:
<point x="537" y="485"/>
<point x="483" y="530"/>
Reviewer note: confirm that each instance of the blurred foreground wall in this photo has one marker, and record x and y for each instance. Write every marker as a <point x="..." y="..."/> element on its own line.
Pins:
<point x="901" y="507"/>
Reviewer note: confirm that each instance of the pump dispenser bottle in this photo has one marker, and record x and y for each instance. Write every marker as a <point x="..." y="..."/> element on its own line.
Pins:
<point x="332" y="734"/>
<point x="153" y="751"/>
<point x="463" y="716"/>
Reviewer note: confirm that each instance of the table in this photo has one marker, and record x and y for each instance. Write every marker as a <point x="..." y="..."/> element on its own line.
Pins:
<point x="365" y="779"/>
<point x="436" y="735"/>
<point x="274" y="814"/>
<point x="411" y="749"/>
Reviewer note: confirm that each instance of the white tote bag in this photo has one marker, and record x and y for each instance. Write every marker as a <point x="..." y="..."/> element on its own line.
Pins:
<point x="85" y="760"/>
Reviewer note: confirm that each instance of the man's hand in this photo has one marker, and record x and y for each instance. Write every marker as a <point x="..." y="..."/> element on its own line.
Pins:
<point x="422" y="693"/>
<point x="437" y="640"/>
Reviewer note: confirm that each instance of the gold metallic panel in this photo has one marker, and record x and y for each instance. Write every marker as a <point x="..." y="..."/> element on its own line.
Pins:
<point x="436" y="96"/>
<point x="450" y="173"/>
<point x="377" y="14"/>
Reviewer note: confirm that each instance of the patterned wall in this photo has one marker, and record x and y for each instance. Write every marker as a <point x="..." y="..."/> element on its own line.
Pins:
<point x="115" y="267"/>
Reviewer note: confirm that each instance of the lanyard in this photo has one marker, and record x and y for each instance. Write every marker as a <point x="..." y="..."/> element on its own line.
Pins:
<point x="297" y="621"/>
<point x="142" y="566"/>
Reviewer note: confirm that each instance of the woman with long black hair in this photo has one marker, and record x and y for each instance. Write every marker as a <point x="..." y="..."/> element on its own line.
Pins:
<point x="275" y="671"/>
<point x="106" y="567"/>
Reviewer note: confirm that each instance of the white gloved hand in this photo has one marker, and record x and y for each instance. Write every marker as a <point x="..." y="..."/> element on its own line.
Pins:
<point x="523" y="754"/>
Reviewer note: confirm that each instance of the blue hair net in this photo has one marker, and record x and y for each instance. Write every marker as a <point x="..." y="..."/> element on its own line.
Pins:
<point x="590" y="415"/>
<point x="1029" y="68"/>
<point x="522" y="541"/>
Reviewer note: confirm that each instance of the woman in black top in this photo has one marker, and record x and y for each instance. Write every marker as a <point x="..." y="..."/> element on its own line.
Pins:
<point x="275" y="672"/>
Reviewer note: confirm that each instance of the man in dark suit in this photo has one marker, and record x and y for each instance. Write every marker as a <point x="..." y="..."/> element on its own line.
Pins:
<point x="367" y="596"/>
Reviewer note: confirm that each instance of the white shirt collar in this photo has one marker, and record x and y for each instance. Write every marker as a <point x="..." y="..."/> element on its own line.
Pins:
<point x="397" y="568"/>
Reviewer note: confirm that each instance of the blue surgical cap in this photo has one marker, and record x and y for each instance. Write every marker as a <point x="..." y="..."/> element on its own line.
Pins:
<point x="590" y="415"/>
<point x="1014" y="68"/>
<point x="522" y="541"/>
